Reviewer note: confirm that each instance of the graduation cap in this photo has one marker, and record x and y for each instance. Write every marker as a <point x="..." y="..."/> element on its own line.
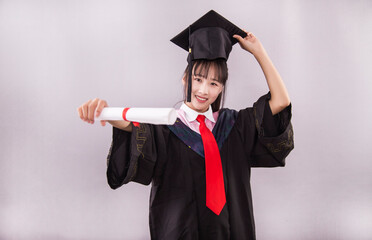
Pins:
<point x="210" y="38"/>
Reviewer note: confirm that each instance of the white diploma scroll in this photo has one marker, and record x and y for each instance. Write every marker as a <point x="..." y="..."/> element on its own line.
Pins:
<point x="159" y="116"/>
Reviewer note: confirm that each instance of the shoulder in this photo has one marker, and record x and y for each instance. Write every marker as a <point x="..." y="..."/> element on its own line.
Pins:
<point x="226" y="113"/>
<point x="227" y="117"/>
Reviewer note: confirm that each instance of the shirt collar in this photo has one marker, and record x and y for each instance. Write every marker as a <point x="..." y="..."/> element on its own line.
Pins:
<point x="191" y="114"/>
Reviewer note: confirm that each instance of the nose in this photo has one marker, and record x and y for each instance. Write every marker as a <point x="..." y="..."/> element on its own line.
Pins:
<point x="204" y="88"/>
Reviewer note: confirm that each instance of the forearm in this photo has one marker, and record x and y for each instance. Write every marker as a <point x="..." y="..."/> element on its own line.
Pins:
<point x="121" y="124"/>
<point x="279" y="95"/>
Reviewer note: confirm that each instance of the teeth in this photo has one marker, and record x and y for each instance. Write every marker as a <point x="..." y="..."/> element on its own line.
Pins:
<point x="203" y="99"/>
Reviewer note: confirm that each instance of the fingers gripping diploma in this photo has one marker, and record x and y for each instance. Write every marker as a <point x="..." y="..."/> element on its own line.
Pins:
<point x="91" y="109"/>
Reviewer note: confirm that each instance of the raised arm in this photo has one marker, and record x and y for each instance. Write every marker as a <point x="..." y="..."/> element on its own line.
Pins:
<point x="279" y="95"/>
<point x="94" y="107"/>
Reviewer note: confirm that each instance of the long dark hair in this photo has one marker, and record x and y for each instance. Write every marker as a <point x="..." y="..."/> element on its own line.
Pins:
<point x="201" y="67"/>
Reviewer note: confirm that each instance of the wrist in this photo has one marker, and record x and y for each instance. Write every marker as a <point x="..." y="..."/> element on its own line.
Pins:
<point x="259" y="53"/>
<point x="121" y="124"/>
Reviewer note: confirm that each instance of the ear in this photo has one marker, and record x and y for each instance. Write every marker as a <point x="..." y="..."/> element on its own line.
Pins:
<point x="184" y="79"/>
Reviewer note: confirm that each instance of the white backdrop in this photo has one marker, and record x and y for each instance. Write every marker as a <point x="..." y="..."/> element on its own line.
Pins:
<point x="55" y="55"/>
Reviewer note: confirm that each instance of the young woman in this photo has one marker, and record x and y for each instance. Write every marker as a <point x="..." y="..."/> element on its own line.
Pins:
<point x="200" y="166"/>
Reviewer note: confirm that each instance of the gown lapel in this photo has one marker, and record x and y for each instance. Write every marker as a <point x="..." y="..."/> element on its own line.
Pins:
<point x="221" y="130"/>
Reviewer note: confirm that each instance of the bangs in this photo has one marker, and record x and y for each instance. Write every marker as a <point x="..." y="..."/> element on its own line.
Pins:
<point x="201" y="68"/>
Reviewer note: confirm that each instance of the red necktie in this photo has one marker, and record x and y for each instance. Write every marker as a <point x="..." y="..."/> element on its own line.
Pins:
<point x="213" y="169"/>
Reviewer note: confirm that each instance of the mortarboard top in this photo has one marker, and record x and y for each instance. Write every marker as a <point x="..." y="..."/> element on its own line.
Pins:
<point x="210" y="37"/>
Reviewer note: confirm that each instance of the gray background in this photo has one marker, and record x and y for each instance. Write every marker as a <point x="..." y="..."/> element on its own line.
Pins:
<point x="55" y="55"/>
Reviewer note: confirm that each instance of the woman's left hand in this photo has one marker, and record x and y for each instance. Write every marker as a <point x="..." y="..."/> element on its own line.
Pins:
<point x="250" y="43"/>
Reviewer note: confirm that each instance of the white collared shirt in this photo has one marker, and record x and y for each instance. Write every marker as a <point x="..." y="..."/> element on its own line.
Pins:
<point x="188" y="117"/>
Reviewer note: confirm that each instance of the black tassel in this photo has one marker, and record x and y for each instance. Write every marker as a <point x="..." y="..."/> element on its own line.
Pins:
<point x="189" y="60"/>
<point x="188" y="96"/>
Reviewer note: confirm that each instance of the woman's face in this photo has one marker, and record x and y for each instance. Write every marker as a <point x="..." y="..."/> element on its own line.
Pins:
<point x="204" y="90"/>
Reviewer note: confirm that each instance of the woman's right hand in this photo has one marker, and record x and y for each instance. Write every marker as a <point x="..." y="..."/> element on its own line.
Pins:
<point x="93" y="108"/>
<point x="90" y="109"/>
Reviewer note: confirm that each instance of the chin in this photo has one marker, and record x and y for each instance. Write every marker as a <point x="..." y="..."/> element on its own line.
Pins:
<point x="200" y="107"/>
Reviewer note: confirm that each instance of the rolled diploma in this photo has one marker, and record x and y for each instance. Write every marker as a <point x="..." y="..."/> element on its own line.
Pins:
<point x="166" y="116"/>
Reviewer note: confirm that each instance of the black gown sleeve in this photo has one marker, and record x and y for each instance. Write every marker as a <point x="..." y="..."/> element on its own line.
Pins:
<point x="274" y="134"/>
<point x="268" y="139"/>
<point x="132" y="156"/>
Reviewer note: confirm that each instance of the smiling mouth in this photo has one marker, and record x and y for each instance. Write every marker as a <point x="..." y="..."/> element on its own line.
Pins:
<point x="200" y="99"/>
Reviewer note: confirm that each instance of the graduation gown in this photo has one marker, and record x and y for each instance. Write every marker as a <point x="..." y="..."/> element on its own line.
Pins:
<point x="172" y="159"/>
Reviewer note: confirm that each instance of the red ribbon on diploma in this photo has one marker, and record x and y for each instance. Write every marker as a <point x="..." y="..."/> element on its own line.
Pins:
<point x="136" y="124"/>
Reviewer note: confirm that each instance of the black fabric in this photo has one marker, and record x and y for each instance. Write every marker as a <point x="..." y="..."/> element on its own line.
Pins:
<point x="177" y="201"/>
<point x="210" y="43"/>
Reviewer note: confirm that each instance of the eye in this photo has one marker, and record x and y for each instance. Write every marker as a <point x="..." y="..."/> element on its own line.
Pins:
<point x="197" y="79"/>
<point x="214" y="84"/>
